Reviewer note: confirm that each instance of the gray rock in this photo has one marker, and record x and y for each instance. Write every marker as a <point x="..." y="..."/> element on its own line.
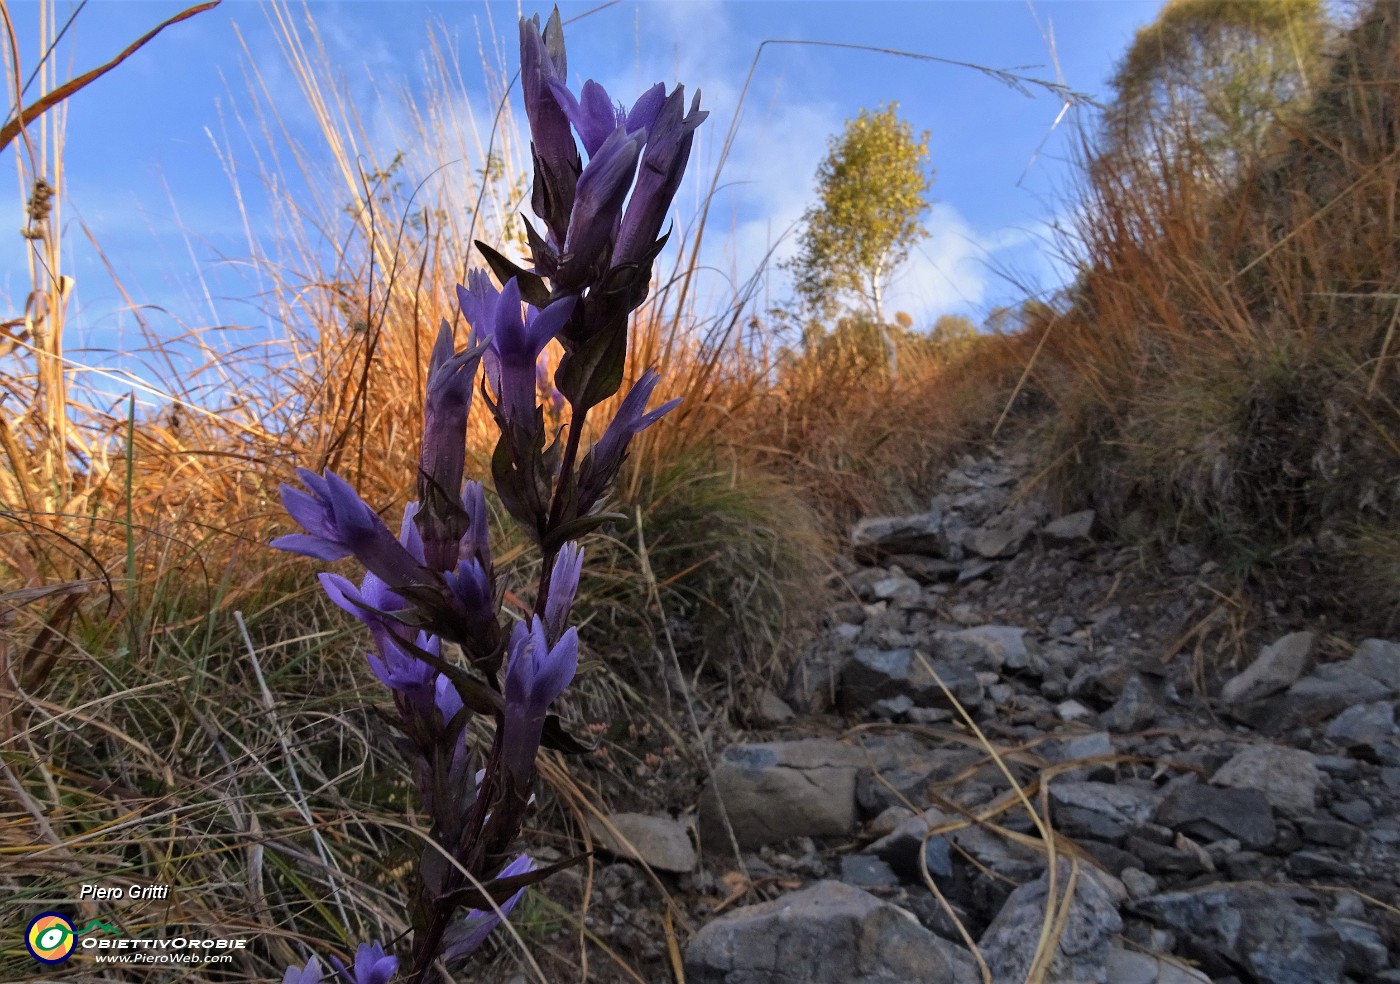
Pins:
<point x="1257" y="928"/>
<point x="1366" y="728"/>
<point x="878" y="790"/>
<point x="879" y="537"/>
<point x="1134" y="709"/>
<point x="1356" y="811"/>
<point x="874" y="674"/>
<point x="992" y="543"/>
<point x="1138" y="883"/>
<point x="829" y="933"/>
<point x="772" y="709"/>
<point x="897" y="588"/>
<point x="1100" y="810"/>
<point x="1064" y="748"/>
<point x="986" y="646"/>
<point x="1084" y="948"/>
<point x="900" y="848"/>
<point x="1379" y="660"/>
<point x="659" y="842"/>
<point x="867" y="871"/>
<point x="890" y="708"/>
<point x="976" y="569"/>
<point x="1315" y="864"/>
<point x="1287" y="777"/>
<point x="1210" y="814"/>
<point x="1072" y="710"/>
<point x="776" y="790"/>
<point x="1131" y="967"/>
<point x="1276" y="668"/>
<point x="1363" y="947"/>
<point x="926" y="570"/>
<point x="1329" y="833"/>
<point x="1067" y="529"/>
<point x="1330" y="689"/>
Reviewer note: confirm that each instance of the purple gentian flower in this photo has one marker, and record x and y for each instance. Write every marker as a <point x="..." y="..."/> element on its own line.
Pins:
<point x="563" y="585"/>
<point x="535" y="677"/>
<point x="372" y="966"/>
<point x="443" y="458"/>
<point x="595" y="116"/>
<point x="339" y="523"/>
<point x="557" y="164"/>
<point x="515" y="345"/>
<point x="471" y="587"/>
<point x="602" y="188"/>
<point x="606" y="457"/>
<point x="310" y="974"/>
<point x="468" y="933"/>
<point x="663" y="166"/>
<point x="396" y="667"/>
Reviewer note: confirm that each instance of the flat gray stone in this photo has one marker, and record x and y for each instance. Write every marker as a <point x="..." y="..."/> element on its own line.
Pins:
<point x="776" y="790"/>
<point x="875" y="674"/>
<point x="1287" y="777"/>
<point x="878" y="537"/>
<point x="1067" y="529"/>
<point x="659" y="842"/>
<point x="1101" y="810"/>
<point x="1210" y="813"/>
<point x="867" y="871"/>
<point x="989" y="646"/>
<point x="1276" y="668"/>
<point x="772" y="709"/>
<point x="1379" y="660"/>
<point x="1252" y="926"/>
<point x="993" y="543"/>
<point x="1368" y="728"/>
<point x="1331" y="689"/>
<point x="828" y="933"/>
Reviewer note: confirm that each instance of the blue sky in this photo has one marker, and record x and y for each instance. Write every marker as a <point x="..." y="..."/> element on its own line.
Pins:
<point x="148" y="145"/>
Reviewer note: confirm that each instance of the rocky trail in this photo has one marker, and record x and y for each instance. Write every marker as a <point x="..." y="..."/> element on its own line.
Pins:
<point x="1238" y="824"/>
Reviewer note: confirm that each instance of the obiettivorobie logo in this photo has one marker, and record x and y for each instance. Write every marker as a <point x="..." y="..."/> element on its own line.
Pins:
<point x="51" y="939"/>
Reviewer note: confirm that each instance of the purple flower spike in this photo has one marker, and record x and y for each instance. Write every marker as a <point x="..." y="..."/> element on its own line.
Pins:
<point x="563" y="585"/>
<point x="602" y="188"/>
<point x="310" y="974"/>
<point x="339" y="523"/>
<point x="535" y="677"/>
<point x="557" y="163"/>
<point x="442" y="462"/>
<point x="607" y="455"/>
<point x="468" y="933"/>
<point x="515" y="345"/>
<point x="663" y="166"/>
<point x="372" y="966"/>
